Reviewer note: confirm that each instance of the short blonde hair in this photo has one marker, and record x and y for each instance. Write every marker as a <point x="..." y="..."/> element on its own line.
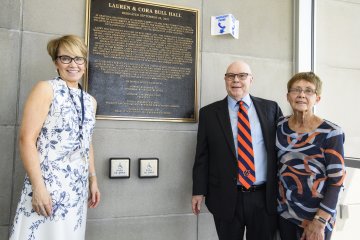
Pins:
<point x="71" y="43"/>
<point x="308" y="77"/>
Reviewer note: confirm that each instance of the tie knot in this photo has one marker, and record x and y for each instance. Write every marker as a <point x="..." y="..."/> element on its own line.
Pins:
<point x="242" y="105"/>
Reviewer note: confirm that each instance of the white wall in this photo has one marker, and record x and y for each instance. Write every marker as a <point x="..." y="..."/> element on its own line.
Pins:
<point x="338" y="65"/>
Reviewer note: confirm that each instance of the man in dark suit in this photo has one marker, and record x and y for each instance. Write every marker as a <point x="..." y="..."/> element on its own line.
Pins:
<point x="235" y="204"/>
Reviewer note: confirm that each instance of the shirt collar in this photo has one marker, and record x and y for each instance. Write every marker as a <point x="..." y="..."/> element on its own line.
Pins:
<point x="232" y="103"/>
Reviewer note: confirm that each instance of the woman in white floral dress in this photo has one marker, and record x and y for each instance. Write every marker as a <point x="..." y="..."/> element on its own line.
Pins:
<point x="56" y="150"/>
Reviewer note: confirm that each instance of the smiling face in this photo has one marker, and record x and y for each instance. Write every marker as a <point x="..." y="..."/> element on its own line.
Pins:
<point x="302" y="96"/>
<point x="72" y="72"/>
<point x="238" y="88"/>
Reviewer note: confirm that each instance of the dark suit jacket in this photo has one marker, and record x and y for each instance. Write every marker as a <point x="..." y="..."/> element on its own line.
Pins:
<point x="215" y="167"/>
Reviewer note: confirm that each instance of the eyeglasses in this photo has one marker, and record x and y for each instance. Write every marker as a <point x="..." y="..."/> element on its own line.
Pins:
<point x="67" y="59"/>
<point x="232" y="76"/>
<point x="298" y="91"/>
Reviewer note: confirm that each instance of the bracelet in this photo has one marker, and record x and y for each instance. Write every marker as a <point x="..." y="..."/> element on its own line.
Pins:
<point x="92" y="174"/>
<point x="320" y="219"/>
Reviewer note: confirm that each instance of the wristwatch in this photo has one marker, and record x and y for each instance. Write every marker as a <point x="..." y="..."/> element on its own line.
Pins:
<point x="320" y="219"/>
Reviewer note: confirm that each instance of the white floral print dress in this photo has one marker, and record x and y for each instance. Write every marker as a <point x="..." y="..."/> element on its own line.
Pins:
<point x="63" y="147"/>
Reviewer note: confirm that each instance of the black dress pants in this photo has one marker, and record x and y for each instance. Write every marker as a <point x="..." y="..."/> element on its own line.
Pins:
<point x="250" y="217"/>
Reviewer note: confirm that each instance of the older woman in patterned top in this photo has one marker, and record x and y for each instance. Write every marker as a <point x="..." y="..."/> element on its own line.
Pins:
<point x="311" y="164"/>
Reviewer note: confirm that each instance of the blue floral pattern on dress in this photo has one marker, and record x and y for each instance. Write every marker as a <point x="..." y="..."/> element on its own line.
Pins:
<point x="63" y="156"/>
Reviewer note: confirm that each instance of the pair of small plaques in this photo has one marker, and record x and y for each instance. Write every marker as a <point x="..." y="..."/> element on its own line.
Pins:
<point x="120" y="168"/>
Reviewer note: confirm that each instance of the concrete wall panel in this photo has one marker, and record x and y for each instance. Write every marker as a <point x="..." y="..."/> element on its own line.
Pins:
<point x="168" y="194"/>
<point x="170" y="227"/>
<point x="7" y="135"/>
<point x="195" y="4"/>
<point x="9" y="58"/>
<point x="333" y="108"/>
<point x="336" y="32"/>
<point x="270" y="78"/>
<point x="36" y="64"/>
<point x="265" y="29"/>
<point x="4" y="233"/>
<point x="207" y="229"/>
<point x="10" y="14"/>
<point x="17" y="179"/>
<point x="55" y="17"/>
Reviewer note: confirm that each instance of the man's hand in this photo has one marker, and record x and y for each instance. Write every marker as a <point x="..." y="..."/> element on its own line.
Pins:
<point x="196" y="203"/>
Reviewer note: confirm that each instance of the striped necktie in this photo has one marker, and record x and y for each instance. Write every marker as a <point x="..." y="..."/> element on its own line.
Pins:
<point x="245" y="149"/>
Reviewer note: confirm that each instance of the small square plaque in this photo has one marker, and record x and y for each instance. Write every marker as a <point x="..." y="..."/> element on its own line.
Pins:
<point x="148" y="167"/>
<point x="119" y="168"/>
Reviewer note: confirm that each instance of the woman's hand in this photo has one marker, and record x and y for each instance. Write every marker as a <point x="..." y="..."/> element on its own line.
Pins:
<point x="41" y="201"/>
<point x="315" y="230"/>
<point x="94" y="196"/>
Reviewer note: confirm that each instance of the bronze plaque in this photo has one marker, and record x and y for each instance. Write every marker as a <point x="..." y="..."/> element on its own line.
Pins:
<point x="142" y="60"/>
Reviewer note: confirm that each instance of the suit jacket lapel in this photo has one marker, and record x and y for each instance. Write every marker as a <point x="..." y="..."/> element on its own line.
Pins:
<point x="224" y="120"/>
<point x="262" y="114"/>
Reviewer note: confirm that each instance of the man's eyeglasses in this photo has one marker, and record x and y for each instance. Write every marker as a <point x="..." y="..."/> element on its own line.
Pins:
<point x="67" y="59"/>
<point x="232" y="76"/>
<point x="298" y="91"/>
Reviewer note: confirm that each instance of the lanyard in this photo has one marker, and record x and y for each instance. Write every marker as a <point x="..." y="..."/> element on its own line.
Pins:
<point x="82" y="108"/>
<point x="82" y="103"/>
